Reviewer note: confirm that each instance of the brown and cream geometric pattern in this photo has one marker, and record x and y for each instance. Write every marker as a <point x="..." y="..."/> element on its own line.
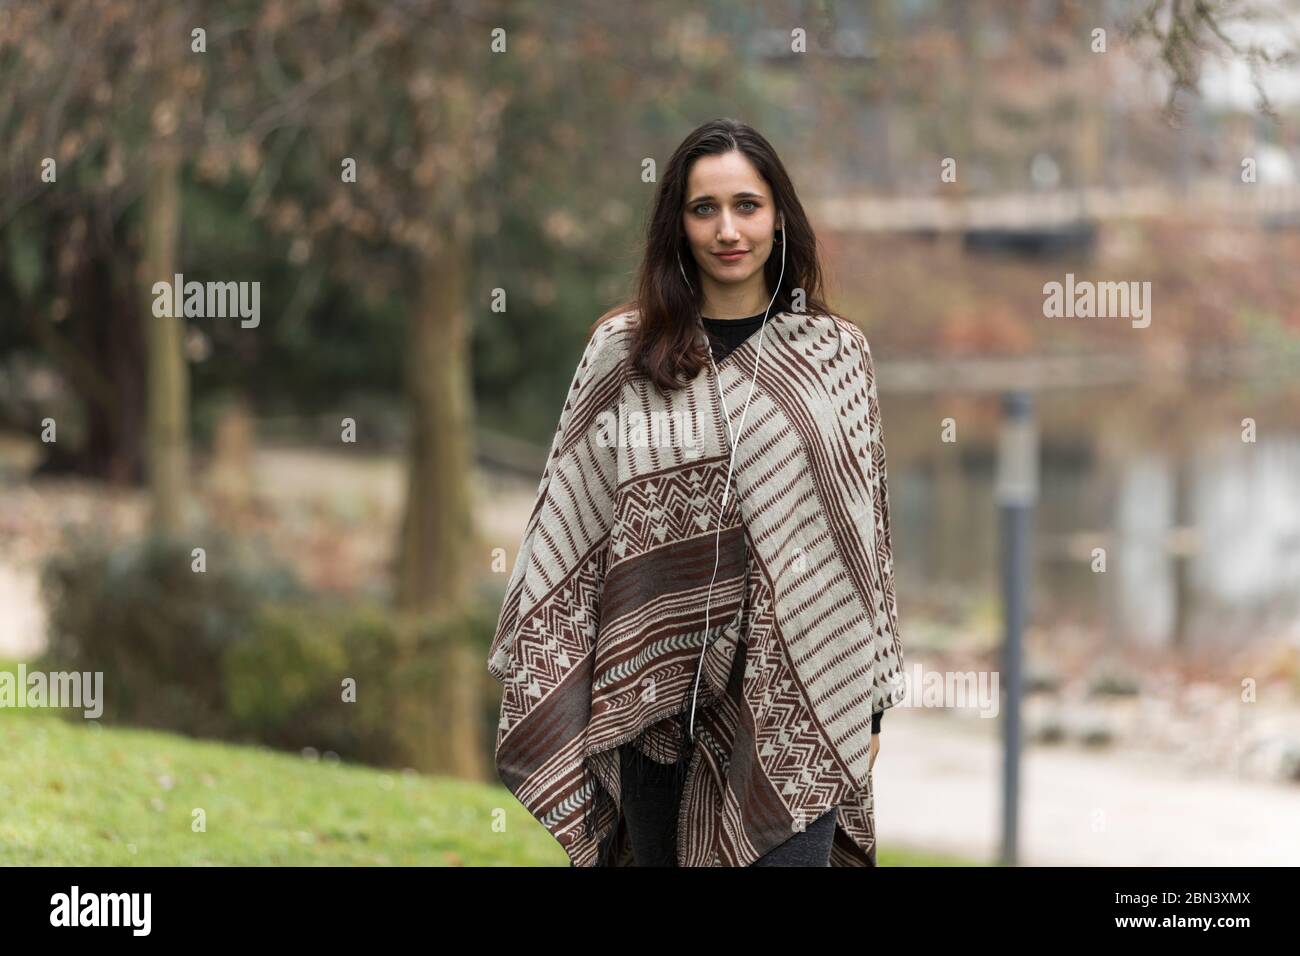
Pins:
<point x="603" y="621"/>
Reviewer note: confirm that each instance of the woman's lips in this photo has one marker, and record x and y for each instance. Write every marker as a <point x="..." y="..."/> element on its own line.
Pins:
<point x="731" y="256"/>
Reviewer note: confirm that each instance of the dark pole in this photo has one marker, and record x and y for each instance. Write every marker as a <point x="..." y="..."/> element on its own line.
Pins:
<point x="1016" y="491"/>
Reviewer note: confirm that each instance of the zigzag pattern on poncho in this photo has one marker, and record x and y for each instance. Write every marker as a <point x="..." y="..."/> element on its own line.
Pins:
<point x="603" y="619"/>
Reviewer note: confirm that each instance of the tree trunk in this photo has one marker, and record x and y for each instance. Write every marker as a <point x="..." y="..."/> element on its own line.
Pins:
<point x="115" y="431"/>
<point x="438" y="523"/>
<point x="168" y="399"/>
<point x="438" y="539"/>
<point x="439" y="552"/>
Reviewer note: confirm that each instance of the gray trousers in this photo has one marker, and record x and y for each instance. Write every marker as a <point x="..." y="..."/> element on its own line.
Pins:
<point x="651" y="799"/>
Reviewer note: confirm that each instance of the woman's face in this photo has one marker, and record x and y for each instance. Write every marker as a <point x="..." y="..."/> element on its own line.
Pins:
<point x="729" y="208"/>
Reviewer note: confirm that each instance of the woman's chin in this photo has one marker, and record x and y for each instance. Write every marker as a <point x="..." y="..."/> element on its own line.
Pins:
<point x="731" y="277"/>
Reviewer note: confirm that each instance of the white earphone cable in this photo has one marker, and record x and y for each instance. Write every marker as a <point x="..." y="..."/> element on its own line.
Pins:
<point x="726" y="490"/>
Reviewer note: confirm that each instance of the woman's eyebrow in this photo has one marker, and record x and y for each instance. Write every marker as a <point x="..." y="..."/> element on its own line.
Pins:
<point x="741" y="195"/>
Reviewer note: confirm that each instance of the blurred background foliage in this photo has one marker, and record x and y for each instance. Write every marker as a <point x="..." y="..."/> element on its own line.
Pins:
<point x="439" y="303"/>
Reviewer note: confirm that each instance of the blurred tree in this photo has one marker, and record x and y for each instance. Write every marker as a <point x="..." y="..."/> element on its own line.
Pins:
<point x="70" y="119"/>
<point x="1186" y="32"/>
<point x="398" y="152"/>
<point x="169" y="392"/>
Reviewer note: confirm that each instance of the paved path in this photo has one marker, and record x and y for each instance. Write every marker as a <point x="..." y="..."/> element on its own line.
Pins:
<point x="937" y="787"/>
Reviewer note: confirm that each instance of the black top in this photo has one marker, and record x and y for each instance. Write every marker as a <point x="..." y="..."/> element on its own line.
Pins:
<point x="725" y="335"/>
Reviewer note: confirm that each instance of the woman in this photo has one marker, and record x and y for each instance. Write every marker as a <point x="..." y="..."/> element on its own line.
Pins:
<point x="701" y="623"/>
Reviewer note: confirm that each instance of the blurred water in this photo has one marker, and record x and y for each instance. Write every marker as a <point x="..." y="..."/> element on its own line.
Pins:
<point x="1233" y="571"/>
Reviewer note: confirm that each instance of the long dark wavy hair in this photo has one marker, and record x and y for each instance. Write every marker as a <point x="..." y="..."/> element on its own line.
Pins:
<point x="667" y="346"/>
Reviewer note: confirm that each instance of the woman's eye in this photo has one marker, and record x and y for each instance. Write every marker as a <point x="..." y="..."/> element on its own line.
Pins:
<point x="699" y="210"/>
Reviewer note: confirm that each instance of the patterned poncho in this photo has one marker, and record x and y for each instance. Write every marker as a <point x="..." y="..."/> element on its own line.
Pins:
<point x="603" y="620"/>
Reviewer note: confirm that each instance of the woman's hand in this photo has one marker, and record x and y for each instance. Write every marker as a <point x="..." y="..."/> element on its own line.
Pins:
<point x="875" y="749"/>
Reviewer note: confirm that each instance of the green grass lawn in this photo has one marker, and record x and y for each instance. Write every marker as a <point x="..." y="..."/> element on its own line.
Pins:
<point x="76" y="794"/>
<point x="73" y="792"/>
